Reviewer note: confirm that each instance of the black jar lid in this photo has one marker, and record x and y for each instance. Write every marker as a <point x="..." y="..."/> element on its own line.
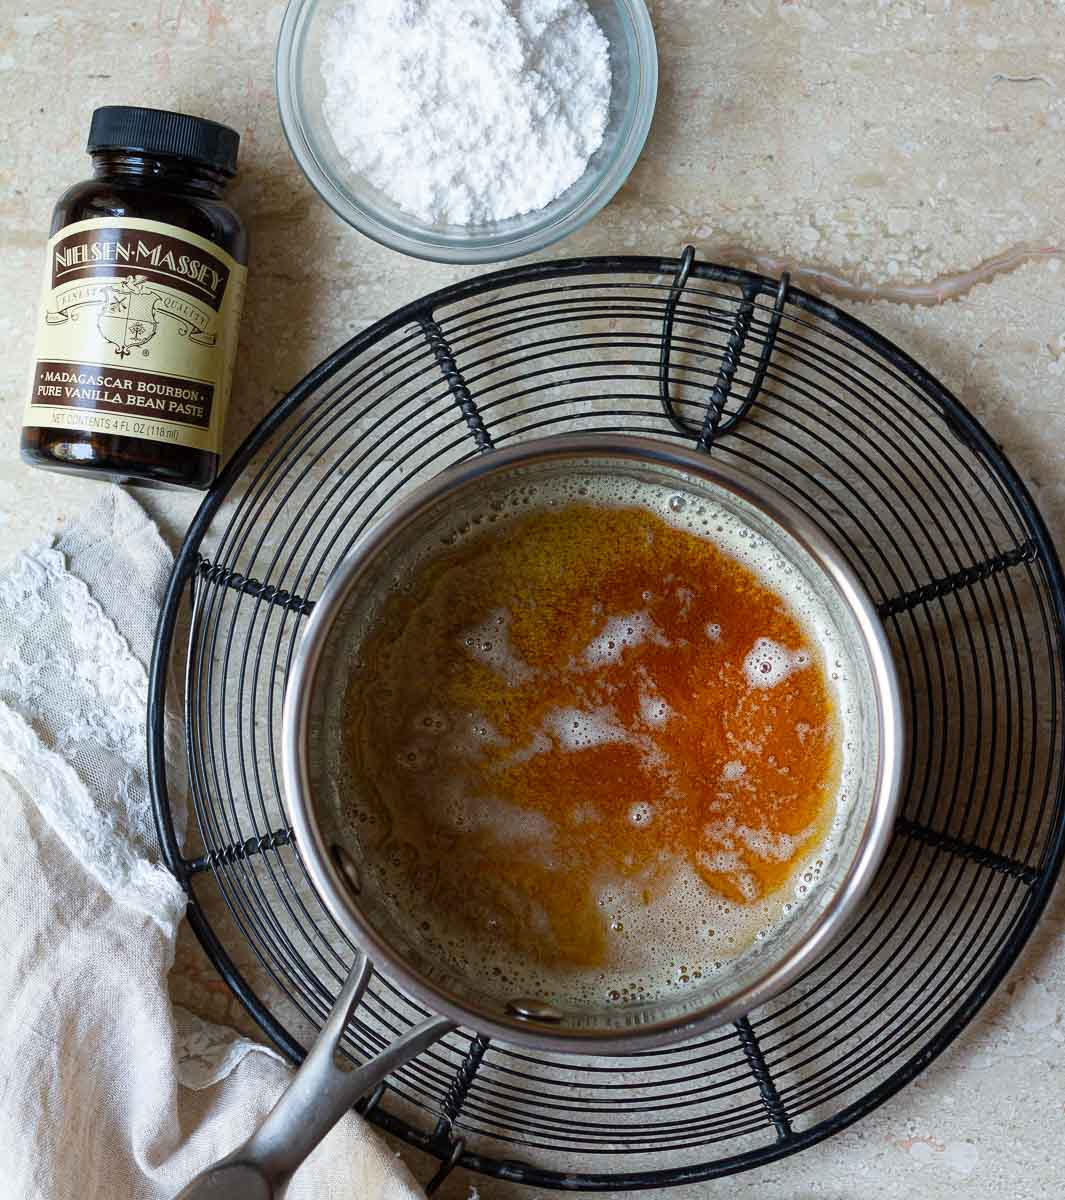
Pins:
<point x="156" y="131"/>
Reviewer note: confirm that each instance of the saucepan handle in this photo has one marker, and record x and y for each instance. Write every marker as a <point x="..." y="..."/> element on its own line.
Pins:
<point x="321" y="1092"/>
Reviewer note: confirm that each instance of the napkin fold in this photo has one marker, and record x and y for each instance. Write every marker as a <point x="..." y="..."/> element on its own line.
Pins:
<point x="106" y="1091"/>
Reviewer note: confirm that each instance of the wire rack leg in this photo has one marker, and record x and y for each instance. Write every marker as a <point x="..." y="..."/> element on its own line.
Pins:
<point x="225" y="856"/>
<point x="459" y="1087"/>
<point x="224" y="577"/>
<point x="977" y="854"/>
<point x="449" y="1147"/>
<point x="446" y="1167"/>
<point x="967" y="577"/>
<point x="449" y="368"/>
<point x="767" y="1089"/>
<point x="715" y="423"/>
<point x="730" y="360"/>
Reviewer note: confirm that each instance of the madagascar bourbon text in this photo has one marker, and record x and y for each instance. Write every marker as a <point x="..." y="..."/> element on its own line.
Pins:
<point x="137" y="334"/>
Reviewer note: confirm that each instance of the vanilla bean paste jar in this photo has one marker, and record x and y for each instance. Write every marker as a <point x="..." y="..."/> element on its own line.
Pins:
<point x="143" y="289"/>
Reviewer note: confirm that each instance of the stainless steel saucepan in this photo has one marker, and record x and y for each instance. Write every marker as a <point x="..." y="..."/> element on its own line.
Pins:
<point x="325" y="1085"/>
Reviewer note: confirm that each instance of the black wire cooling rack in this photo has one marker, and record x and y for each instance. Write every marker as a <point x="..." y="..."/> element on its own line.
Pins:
<point x="927" y="511"/>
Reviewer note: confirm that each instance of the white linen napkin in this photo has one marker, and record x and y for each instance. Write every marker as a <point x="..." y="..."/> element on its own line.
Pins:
<point x="105" y="1091"/>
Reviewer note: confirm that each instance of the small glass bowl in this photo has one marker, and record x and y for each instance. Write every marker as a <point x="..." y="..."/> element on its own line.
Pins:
<point x="634" y="65"/>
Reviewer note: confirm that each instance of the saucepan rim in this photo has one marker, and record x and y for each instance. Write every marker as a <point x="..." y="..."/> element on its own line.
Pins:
<point x="853" y="882"/>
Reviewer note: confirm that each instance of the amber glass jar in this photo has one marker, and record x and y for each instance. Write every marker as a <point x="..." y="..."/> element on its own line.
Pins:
<point x="143" y="289"/>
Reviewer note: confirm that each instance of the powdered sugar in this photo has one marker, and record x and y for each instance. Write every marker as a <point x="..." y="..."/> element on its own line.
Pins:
<point x="465" y="112"/>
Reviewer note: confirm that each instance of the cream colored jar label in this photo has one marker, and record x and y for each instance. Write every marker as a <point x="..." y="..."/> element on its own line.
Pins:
<point x="137" y="333"/>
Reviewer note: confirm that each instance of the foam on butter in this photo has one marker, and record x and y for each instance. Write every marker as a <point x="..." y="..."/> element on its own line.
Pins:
<point x="689" y="932"/>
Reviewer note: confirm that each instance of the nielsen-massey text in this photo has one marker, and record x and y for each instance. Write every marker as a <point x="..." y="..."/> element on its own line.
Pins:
<point x="137" y="253"/>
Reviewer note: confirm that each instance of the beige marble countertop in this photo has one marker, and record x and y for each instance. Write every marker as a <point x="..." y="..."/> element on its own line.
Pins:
<point x="904" y="155"/>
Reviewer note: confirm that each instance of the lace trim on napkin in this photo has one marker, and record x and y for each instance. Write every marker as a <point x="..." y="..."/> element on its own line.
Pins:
<point x="72" y="705"/>
<point x="207" y="1052"/>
